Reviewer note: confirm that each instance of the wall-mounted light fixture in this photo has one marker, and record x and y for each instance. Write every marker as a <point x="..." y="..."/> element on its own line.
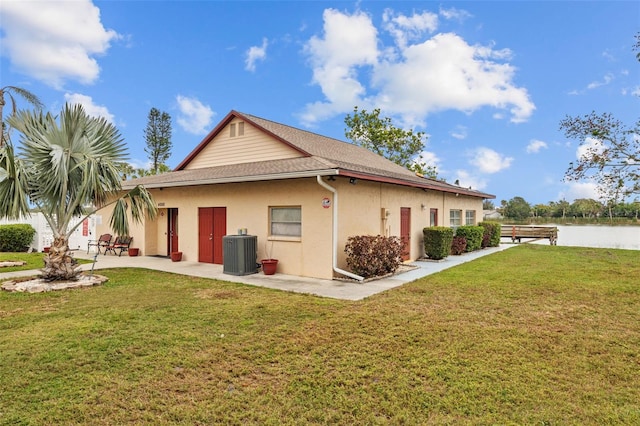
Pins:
<point x="422" y="206"/>
<point x="353" y="181"/>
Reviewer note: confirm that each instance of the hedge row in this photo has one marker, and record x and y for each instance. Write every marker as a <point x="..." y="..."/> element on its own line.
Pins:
<point x="440" y="241"/>
<point x="16" y="238"/>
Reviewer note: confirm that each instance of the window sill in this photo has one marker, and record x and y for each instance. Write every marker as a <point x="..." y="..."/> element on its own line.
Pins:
<point x="283" y="238"/>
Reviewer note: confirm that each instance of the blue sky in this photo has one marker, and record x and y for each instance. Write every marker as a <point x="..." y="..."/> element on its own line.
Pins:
<point x="488" y="82"/>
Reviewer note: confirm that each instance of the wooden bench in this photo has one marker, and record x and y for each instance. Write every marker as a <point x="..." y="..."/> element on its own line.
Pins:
<point x="121" y="244"/>
<point x="518" y="232"/>
<point x="103" y="242"/>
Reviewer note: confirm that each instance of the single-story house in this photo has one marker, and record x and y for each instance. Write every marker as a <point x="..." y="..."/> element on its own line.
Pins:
<point x="491" y="215"/>
<point x="302" y="194"/>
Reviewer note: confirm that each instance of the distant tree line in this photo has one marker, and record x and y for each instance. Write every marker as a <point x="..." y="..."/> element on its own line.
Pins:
<point x="518" y="208"/>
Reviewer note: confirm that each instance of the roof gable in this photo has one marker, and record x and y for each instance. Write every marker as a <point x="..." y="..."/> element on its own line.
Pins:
<point x="235" y="140"/>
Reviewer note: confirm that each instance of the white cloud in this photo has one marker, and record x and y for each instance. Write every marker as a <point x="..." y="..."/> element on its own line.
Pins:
<point x="455" y="14"/>
<point x="608" y="55"/>
<point x="429" y="158"/>
<point x="460" y="132"/>
<point x="194" y="117"/>
<point x="590" y="145"/>
<point x="489" y="161"/>
<point x="447" y="73"/>
<point x="535" y="146"/>
<point x="350" y="41"/>
<point x="577" y="190"/>
<point x="608" y="78"/>
<point x="54" y="41"/>
<point x="406" y="28"/>
<point x="468" y="180"/>
<point x="254" y="54"/>
<point x="89" y="106"/>
<point x="410" y="79"/>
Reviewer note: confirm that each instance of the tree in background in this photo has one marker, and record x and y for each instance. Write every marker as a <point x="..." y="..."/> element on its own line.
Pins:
<point x="158" y="137"/>
<point x="516" y="208"/>
<point x="488" y="205"/>
<point x="611" y="152"/>
<point x="129" y="172"/>
<point x="379" y="135"/>
<point x="541" y="210"/>
<point x="67" y="170"/>
<point x="10" y="91"/>
<point x="586" y="207"/>
<point x="559" y="208"/>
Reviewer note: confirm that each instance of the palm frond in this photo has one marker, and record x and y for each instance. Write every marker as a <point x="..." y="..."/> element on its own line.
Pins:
<point x="13" y="185"/>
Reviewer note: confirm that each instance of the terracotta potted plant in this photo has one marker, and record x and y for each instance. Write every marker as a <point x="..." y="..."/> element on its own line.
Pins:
<point x="176" y="256"/>
<point x="133" y="251"/>
<point x="269" y="265"/>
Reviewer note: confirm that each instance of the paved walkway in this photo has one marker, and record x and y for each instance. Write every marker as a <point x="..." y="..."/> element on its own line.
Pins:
<point x="336" y="289"/>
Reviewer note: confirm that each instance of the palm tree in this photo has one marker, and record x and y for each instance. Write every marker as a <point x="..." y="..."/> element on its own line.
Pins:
<point x="65" y="171"/>
<point x="10" y="91"/>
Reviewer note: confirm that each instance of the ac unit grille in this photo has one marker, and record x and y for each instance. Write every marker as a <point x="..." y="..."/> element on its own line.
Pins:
<point x="240" y="254"/>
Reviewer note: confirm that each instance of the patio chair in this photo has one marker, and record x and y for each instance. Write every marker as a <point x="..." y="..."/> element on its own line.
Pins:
<point x="121" y="244"/>
<point x="103" y="242"/>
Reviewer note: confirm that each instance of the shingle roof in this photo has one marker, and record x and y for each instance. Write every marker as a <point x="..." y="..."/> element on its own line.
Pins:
<point x="322" y="156"/>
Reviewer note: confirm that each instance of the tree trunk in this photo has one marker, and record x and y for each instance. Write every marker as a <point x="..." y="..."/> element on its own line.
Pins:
<point x="58" y="263"/>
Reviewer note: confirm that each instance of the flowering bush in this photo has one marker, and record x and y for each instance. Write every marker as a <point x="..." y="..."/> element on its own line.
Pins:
<point x="458" y="245"/>
<point x="372" y="256"/>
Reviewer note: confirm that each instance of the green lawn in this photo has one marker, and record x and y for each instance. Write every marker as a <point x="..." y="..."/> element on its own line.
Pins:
<point x="534" y="335"/>
<point x="34" y="261"/>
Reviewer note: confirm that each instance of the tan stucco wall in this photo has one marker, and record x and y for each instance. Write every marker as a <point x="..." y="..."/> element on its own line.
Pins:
<point x="247" y="206"/>
<point x="361" y="211"/>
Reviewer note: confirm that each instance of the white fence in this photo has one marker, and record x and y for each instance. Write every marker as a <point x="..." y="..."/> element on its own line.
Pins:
<point x="78" y="239"/>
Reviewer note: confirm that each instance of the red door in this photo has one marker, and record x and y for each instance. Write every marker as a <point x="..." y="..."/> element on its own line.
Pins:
<point x="212" y="226"/>
<point x="172" y="240"/>
<point x="405" y="232"/>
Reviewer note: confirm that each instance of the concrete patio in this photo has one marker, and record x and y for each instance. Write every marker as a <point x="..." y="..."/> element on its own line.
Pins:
<point x="337" y="289"/>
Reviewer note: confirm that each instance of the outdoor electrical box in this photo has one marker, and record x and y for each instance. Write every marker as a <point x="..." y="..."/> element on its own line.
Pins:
<point x="240" y="254"/>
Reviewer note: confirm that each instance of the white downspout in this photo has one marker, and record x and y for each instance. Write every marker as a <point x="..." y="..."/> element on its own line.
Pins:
<point x="334" y="234"/>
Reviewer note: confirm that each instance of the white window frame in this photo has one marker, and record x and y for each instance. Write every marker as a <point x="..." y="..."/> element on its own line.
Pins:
<point x="470" y="217"/>
<point x="453" y="217"/>
<point x="293" y="228"/>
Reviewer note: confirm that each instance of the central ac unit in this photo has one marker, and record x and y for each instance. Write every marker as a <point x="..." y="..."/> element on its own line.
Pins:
<point x="240" y="253"/>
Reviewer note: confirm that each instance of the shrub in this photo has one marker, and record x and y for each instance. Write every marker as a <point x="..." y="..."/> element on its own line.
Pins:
<point x="486" y="239"/>
<point x="16" y="238"/>
<point x="492" y="231"/>
<point x="372" y="256"/>
<point x="437" y="242"/>
<point x="473" y="235"/>
<point x="458" y="245"/>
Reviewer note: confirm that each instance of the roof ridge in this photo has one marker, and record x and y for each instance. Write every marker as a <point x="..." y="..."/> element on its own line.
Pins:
<point x="296" y="128"/>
